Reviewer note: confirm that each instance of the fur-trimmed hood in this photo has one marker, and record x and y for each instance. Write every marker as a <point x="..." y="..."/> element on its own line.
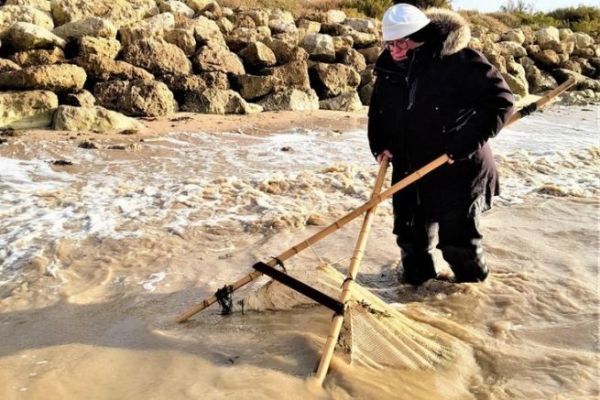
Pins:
<point x="453" y="27"/>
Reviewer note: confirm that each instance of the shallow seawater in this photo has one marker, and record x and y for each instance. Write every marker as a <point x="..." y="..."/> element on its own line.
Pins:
<point x="97" y="259"/>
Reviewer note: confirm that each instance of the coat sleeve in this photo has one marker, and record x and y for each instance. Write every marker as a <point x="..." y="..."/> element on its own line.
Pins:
<point x="492" y="104"/>
<point x="374" y="128"/>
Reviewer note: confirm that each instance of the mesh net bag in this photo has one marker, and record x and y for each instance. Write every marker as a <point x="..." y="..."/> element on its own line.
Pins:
<point x="375" y="334"/>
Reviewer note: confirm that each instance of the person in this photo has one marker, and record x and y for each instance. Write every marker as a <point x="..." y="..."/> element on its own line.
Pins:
<point x="434" y="95"/>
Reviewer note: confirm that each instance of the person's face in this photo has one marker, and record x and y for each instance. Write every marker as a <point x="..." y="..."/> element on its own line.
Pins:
<point x="399" y="48"/>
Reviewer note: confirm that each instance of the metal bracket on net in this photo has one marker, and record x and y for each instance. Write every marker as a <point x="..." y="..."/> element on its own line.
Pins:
<point x="301" y="287"/>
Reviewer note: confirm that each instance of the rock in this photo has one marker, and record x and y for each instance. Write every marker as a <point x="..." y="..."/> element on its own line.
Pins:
<point x="291" y="75"/>
<point x="103" y="69"/>
<point x="10" y="15"/>
<point x="42" y="5"/>
<point x="97" y="119"/>
<point x="547" y="38"/>
<point x="353" y="59"/>
<point x="136" y="98"/>
<point x="240" y="38"/>
<point x="182" y="38"/>
<point x="213" y="11"/>
<point x="587" y="67"/>
<point x="225" y="25"/>
<point x="253" y="86"/>
<point x="319" y="47"/>
<point x="175" y="8"/>
<point x="572" y="66"/>
<point x="207" y="32"/>
<point x="245" y="21"/>
<point x="565" y="34"/>
<point x="583" y="41"/>
<point x="282" y="26"/>
<point x="281" y="15"/>
<point x="81" y="98"/>
<point x="334" y="17"/>
<point x="367" y="76"/>
<point x="511" y="49"/>
<point x="217" y="59"/>
<point x="180" y="85"/>
<point x="365" y="25"/>
<point x="259" y="17"/>
<point x="342" y="44"/>
<point x="539" y="81"/>
<point x="8" y="65"/>
<point x="497" y="61"/>
<point x="197" y="5"/>
<point x="216" y="101"/>
<point x="38" y="57"/>
<point x="476" y="44"/>
<point x="371" y="54"/>
<point x="102" y="47"/>
<point x="583" y="82"/>
<point x="362" y="40"/>
<point x="286" y="53"/>
<point x="26" y="36"/>
<point x="331" y="80"/>
<point x="547" y="58"/>
<point x="345" y="102"/>
<point x="365" y="93"/>
<point x="258" y="55"/>
<point x="92" y="26"/>
<point x="514" y="35"/>
<point x="58" y="78"/>
<point x="154" y="27"/>
<point x="158" y="57"/>
<point x="27" y="110"/>
<point x="291" y="99"/>
<point x="517" y="79"/>
<point x="586" y="53"/>
<point x="291" y="38"/>
<point x="119" y="12"/>
<point x="309" y="26"/>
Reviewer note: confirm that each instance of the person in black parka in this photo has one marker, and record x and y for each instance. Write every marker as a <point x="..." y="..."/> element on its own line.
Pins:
<point x="433" y="95"/>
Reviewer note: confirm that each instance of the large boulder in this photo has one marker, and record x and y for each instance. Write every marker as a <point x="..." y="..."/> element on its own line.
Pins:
<point x="349" y="101"/>
<point x="319" y="47"/>
<point x="511" y="49"/>
<point x="102" y="47"/>
<point x="38" y="57"/>
<point x="583" y="82"/>
<point x="308" y="26"/>
<point x="80" y="98"/>
<point x="259" y="17"/>
<point x="58" y="78"/>
<point x="254" y="86"/>
<point x="43" y="5"/>
<point x="514" y="35"/>
<point x="8" y="65"/>
<point x="153" y="27"/>
<point x="218" y="59"/>
<point x="547" y="38"/>
<point x="539" y="81"/>
<point x="342" y="44"/>
<point x="216" y="101"/>
<point x="120" y="12"/>
<point x="207" y="32"/>
<point x="136" y="98"/>
<point x="240" y="38"/>
<point x="365" y="25"/>
<point x="285" y="52"/>
<point x="361" y="39"/>
<point x="97" y="119"/>
<point x="92" y="26"/>
<point x="331" y="80"/>
<point x="517" y="85"/>
<point x="371" y="54"/>
<point x="583" y="40"/>
<point x="546" y="58"/>
<point x="10" y="15"/>
<point x="354" y="59"/>
<point x="158" y="57"/>
<point x="293" y="75"/>
<point x="198" y="5"/>
<point x="26" y="36"/>
<point x="258" y="55"/>
<point x="182" y="38"/>
<point x="102" y="69"/>
<point x="176" y="8"/>
<point x="291" y="99"/>
<point x="27" y="110"/>
<point x="181" y="85"/>
<point x="333" y="17"/>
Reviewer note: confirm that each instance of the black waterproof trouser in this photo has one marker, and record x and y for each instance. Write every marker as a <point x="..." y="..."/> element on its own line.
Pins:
<point x="459" y="240"/>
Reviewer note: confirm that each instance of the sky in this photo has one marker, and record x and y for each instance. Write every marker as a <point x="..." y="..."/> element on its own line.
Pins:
<point x="539" y="5"/>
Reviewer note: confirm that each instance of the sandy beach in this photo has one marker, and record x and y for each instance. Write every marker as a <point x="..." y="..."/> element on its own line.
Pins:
<point x="99" y="256"/>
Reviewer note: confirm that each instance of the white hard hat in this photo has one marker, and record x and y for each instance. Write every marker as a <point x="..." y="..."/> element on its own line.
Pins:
<point x="402" y="20"/>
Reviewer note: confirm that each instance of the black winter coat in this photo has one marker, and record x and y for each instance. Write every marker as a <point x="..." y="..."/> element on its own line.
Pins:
<point x="446" y="98"/>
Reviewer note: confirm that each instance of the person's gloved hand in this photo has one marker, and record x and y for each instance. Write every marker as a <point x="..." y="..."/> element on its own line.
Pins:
<point x="385" y="153"/>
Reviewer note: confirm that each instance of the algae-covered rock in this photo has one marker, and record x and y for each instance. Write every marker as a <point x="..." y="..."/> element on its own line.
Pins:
<point x="97" y="119"/>
<point x="27" y="109"/>
<point x="217" y="101"/>
<point x="291" y="99"/>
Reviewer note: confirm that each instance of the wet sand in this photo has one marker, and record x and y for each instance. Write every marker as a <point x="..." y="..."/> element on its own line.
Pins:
<point x="105" y="253"/>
